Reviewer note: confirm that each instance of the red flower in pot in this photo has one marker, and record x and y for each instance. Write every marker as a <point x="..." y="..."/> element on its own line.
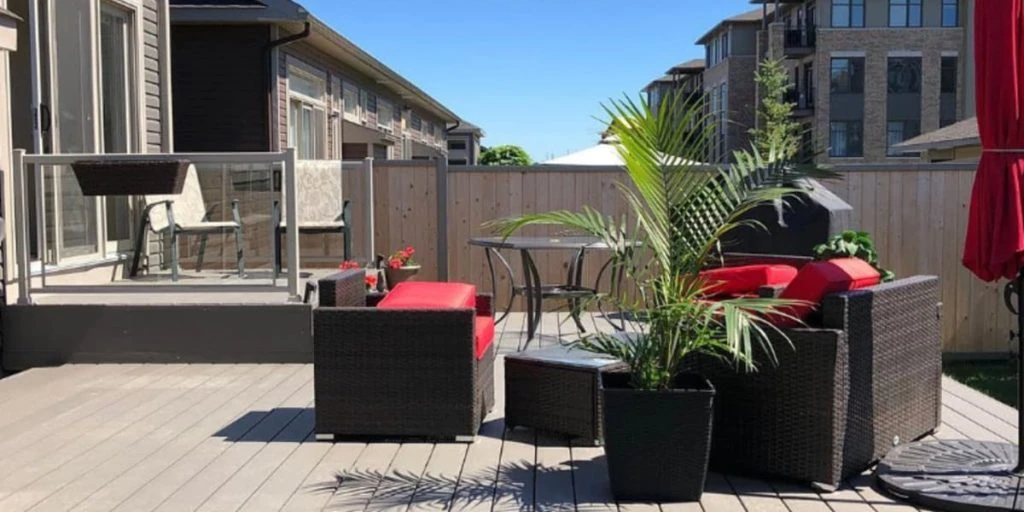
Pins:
<point x="401" y="266"/>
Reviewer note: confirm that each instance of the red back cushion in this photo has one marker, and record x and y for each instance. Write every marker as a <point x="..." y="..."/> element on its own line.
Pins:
<point x="483" y="334"/>
<point x="429" y="295"/>
<point x="746" y="279"/>
<point x="820" y="278"/>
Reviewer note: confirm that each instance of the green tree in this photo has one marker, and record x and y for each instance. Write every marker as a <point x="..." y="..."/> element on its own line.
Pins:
<point x="776" y="128"/>
<point x="505" y="155"/>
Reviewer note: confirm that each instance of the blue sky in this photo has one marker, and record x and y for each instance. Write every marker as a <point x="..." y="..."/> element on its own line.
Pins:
<point x="530" y="72"/>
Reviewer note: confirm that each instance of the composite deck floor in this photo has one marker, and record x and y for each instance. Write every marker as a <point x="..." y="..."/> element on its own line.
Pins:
<point x="240" y="437"/>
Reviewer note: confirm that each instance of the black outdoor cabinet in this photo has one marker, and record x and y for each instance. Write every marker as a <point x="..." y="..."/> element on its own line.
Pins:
<point x="795" y="227"/>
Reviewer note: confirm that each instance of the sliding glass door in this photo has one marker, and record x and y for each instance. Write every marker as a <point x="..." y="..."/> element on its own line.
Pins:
<point x="73" y="219"/>
<point x="116" y="113"/>
<point x="88" y="60"/>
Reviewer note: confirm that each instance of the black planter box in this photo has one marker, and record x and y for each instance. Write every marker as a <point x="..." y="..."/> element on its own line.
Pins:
<point x="134" y="178"/>
<point x="657" y="442"/>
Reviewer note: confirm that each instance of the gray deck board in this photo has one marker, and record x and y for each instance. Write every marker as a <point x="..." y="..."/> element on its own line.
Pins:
<point x="239" y="438"/>
<point x="47" y="493"/>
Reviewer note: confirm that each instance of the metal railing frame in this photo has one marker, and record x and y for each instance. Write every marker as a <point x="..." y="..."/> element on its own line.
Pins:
<point x="25" y="166"/>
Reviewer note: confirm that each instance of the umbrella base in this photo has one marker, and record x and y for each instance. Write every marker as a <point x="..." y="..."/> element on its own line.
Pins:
<point x="954" y="475"/>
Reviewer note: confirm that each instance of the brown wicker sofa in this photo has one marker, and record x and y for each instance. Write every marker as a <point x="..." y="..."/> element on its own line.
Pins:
<point x="397" y="372"/>
<point x="865" y="376"/>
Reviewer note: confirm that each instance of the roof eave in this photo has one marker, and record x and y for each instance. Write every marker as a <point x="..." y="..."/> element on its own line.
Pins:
<point x="910" y="146"/>
<point x="390" y="78"/>
<point x="273" y="12"/>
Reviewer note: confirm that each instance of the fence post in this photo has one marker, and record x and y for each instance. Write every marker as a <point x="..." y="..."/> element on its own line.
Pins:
<point x="21" y="227"/>
<point x="292" y="226"/>
<point x="371" y="221"/>
<point x="441" y="174"/>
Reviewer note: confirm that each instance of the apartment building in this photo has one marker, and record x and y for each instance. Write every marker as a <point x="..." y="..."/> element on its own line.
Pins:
<point x="870" y="74"/>
<point x="464" y="144"/>
<point x="259" y="76"/>
<point x="731" y="57"/>
<point x="684" y="78"/>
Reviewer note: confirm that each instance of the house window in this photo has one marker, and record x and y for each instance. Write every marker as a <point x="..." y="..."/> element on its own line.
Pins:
<point x="949" y="75"/>
<point x="456" y="144"/>
<point x="899" y="131"/>
<point x="416" y="122"/>
<point x="904" y="75"/>
<point x="846" y="139"/>
<point x="847" y="75"/>
<point x="848" y="13"/>
<point x="950" y="13"/>
<point x="350" y="98"/>
<point x="428" y="130"/>
<point x="904" y="13"/>
<point x="947" y="93"/>
<point x="457" y="161"/>
<point x="369" y="102"/>
<point x="385" y="114"/>
<point x="723" y="121"/>
<point x="724" y="45"/>
<point x="307" y="114"/>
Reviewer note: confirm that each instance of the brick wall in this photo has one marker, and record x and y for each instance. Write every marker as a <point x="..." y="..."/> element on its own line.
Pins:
<point x="876" y="45"/>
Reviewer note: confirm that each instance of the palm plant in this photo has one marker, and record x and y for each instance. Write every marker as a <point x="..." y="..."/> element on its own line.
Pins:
<point x="679" y="211"/>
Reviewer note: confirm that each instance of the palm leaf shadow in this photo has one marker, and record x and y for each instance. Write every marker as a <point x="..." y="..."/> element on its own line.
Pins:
<point x="406" y="488"/>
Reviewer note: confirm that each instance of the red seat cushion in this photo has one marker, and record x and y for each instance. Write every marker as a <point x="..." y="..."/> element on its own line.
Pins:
<point x="429" y="295"/>
<point x="746" y="279"/>
<point x="483" y="334"/>
<point x="820" y="278"/>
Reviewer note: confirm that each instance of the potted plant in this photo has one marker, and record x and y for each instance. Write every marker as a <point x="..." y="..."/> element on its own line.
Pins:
<point x="852" y="244"/>
<point x="657" y="417"/>
<point x="401" y="267"/>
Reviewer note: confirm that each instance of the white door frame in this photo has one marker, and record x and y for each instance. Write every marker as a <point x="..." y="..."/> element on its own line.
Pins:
<point x="134" y="92"/>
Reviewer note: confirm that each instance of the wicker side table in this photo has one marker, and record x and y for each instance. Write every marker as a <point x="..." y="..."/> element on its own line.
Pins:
<point x="558" y="390"/>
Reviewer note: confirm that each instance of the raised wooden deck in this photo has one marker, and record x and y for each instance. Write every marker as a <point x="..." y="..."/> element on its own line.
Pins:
<point x="240" y="437"/>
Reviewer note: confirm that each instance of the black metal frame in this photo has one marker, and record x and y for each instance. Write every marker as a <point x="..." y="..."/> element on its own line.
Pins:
<point x="535" y="292"/>
<point x="175" y="231"/>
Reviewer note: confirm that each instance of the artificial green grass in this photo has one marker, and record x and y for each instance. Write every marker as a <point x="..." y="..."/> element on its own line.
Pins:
<point x="997" y="379"/>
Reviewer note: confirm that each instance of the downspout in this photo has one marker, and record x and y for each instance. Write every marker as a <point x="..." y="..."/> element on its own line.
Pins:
<point x="272" y="76"/>
<point x="166" y="71"/>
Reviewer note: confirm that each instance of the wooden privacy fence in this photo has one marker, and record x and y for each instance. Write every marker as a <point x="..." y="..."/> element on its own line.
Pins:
<point x="917" y="214"/>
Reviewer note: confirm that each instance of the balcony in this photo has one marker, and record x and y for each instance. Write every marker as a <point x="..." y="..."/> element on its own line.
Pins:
<point x="802" y="100"/>
<point x="799" y="42"/>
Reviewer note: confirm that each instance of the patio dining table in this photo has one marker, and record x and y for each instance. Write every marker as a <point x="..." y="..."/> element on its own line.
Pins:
<point x="532" y="288"/>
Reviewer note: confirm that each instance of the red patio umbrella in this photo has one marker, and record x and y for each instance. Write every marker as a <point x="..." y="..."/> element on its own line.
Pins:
<point x="995" y="229"/>
<point x="994" y="247"/>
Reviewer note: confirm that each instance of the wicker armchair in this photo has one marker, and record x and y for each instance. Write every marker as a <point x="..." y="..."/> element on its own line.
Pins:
<point x="842" y="396"/>
<point x="380" y="372"/>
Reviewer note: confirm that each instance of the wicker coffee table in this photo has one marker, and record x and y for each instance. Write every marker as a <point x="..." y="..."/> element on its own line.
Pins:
<point x="557" y="389"/>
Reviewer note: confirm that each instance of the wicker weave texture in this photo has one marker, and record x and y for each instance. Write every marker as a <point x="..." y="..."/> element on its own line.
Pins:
<point x="399" y="372"/>
<point x="896" y="364"/>
<point x="842" y="395"/>
<point x="786" y="420"/>
<point x="555" y="399"/>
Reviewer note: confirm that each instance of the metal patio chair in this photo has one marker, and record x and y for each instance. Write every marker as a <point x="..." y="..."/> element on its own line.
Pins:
<point x="321" y="206"/>
<point x="186" y="214"/>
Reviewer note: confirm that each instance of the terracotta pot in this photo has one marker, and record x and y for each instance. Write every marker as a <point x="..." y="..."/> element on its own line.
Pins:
<point x="400" y="274"/>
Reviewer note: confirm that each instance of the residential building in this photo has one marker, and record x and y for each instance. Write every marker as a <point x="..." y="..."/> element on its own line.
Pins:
<point x="65" y="99"/>
<point x="464" y="144"/>
<point x="731" y="57"/>
<point x="684" y="78"/>
<point x="870" y="74"/>
<point x="280" y="77"/>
